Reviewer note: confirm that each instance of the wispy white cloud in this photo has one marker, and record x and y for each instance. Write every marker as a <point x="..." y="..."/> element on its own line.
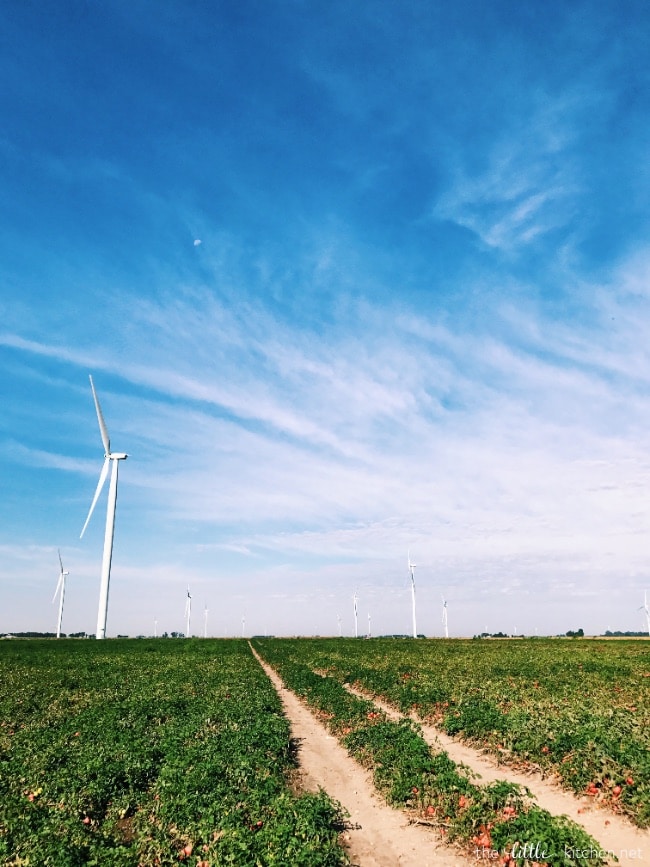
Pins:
<point x="529" y="183"/>
<point x="470" y="447"/>
<point x="319" y="402"/>
<point x="39" y="458"/>
<point x="324" y="381"/>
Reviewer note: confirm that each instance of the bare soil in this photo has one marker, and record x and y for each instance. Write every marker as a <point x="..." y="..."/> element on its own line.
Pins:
<point x="613" y="832"/>
<point x="376" y="835"/>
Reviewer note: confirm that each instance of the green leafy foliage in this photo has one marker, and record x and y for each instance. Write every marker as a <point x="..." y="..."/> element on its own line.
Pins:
<point x="492" y="819"/>
<point x="578" y="709"/>
<point x="150" y="753"/>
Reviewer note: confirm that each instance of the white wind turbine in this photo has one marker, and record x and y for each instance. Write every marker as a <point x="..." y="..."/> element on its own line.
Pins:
<point x="412" y="574"/>
<point x="114" y="458"/>
<point x="645" y="609"/>
<point x="356" y="617"/>
<point x="369" y="633"/>
<point x="188" y="612"/>
<point x="338" y="620"/>
<point x="444" y="617"/>
<point x="60" y="587"/>
<point x="205" y="622"/>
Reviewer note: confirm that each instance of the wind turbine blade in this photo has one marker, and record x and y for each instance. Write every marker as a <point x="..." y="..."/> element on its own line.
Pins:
<point x="100" y="485"/>
<point x="100" y="418"/>
<point x="58" y="587"/>
<point x="60" y="560"/>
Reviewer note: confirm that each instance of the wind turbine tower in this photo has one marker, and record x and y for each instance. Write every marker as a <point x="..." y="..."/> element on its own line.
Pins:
<point x="188" y="613"/>
<point x="356" y="617"/>
<point x="205" y="622"/>
<point x="444" y="617"/>
<point x="412" y="574"/>
<point x="111" y="459"/>
<point x="369" y="633"/>
<point x="60" y="587"/>
<point x="338" y="620"/>
<point x="645" y="609"/>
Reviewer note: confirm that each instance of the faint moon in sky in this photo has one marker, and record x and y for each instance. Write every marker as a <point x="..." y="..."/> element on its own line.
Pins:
<point x="197" y="241"/>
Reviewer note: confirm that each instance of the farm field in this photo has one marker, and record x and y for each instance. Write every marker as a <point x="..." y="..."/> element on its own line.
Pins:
<point x="579" y="710"/>
<point x="418" y="775"/>
<point x="159" y="752"/>
<point x="150" y="753"/>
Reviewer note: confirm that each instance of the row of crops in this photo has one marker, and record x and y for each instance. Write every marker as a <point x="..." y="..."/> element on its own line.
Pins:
<point x="165" y="752"/>
<point x="578" y="710"/>
<point x="150" y="753"/>
<point x="497" y="821"/>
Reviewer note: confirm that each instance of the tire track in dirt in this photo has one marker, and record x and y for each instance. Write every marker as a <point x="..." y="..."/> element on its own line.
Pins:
<point x="377" y="835"/>
<point x="614" y="833"/>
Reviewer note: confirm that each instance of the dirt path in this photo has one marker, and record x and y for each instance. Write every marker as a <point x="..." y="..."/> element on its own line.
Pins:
<point x="378" y="836"/>
<point x="614" y="833"/>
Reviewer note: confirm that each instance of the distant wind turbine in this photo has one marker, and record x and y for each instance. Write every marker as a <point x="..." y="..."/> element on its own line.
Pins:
<point x="444" y="617"/>
<point x="412" y="574"/>
<point x="356" y="618"/>
<point x="60" y="587"/>
<point x="369" y="633"/>
<point x="645" y="609"/>
<point x="114" y="458"/>
<point x="188" y="612"/>
<point x="338" y="619"/>
<point x="243" y="626"/>
<point x="205" y="622"/>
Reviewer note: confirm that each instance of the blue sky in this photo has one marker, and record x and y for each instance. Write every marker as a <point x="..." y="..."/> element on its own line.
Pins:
<point x="352" y="279"/>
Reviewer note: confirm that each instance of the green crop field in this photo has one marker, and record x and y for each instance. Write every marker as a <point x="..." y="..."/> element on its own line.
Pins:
<point x="579" y="709"/>
<point x="159" y="752"/>
<point x="150" y="753"/>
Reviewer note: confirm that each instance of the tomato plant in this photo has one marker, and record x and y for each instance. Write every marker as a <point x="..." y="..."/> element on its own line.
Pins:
<point x="151" y="752"/>
<point x="578" y="709"/>
<point x="410" y="774"/>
